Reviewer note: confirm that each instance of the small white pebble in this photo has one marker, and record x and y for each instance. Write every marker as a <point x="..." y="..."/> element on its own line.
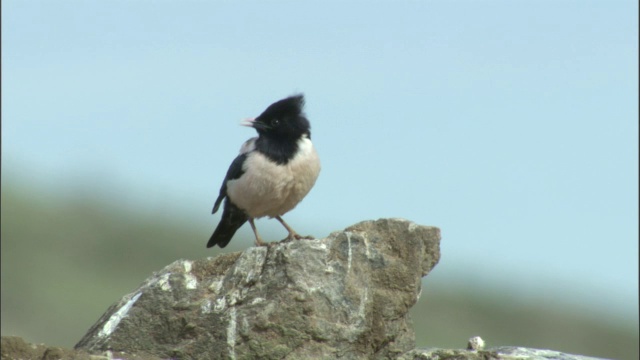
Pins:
<point x="475" y="343"/>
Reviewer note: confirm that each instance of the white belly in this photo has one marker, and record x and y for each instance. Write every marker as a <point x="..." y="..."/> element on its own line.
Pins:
<point x="269" y="189"/>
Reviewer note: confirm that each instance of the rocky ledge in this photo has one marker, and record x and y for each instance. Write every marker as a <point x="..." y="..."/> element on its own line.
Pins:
<point x="346" y="296"/>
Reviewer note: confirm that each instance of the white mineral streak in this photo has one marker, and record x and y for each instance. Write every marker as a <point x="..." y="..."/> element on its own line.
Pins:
<point x="231" y="333"/>
<point x="114" y="320"/>
<point x="348" y="233"/>
<point x="190" y="281"/>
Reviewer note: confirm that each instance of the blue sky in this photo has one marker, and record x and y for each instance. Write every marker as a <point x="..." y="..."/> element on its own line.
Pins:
<point x="512" y="126"/>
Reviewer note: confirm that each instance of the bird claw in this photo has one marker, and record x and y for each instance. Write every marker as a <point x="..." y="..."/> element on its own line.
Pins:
<point x="287" y="239"/>
<point x="295" y="236"/>
<point x="260" y="242"/>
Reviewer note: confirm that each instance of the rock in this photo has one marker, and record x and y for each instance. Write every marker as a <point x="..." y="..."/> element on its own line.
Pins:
<point x="498" y="353"/>
<point x="344" y="296"/>
<point x="475" y="343"/>
<point x="16" y="348"/>
<point x="515" y="352"/>
<point x="13" y="347"/>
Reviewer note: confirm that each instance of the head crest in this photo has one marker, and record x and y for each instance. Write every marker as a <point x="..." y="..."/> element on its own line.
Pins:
<point x="291" y="106"/>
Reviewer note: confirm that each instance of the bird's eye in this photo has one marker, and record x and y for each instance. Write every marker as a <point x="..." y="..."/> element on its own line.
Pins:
<point x="275" y="122"/>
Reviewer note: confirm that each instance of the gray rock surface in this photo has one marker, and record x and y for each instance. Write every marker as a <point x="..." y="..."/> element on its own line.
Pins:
<point x="14" y="348"/>
<point x="498" y="353"/>
<point x="344" y="296"/>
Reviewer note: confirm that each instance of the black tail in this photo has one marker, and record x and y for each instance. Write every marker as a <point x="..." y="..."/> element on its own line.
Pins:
<point x="232" y="218"/>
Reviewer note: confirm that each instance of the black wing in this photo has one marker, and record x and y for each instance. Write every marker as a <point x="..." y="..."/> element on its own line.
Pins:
<point x="234" y="172"/>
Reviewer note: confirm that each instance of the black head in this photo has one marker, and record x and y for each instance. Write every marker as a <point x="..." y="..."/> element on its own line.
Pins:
<point x="283" y="120"/>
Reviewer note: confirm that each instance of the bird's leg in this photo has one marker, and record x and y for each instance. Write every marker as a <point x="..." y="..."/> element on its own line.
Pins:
<point x="292" y="234"/>
<point x="259" y="241"/>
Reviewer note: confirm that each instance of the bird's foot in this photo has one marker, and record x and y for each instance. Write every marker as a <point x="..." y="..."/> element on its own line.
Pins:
<point x="295" y="236"/>
<point x="260" y="242"/>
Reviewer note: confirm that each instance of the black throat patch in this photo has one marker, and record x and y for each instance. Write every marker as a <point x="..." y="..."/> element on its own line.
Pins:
<point x="281" y="152"/>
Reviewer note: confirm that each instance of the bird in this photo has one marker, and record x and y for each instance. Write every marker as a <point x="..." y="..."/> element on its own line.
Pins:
<point x="272" y="173"/>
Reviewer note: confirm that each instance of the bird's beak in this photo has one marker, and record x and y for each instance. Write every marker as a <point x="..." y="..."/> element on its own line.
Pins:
<point x="251" y="122"/>
<point x="248" y="122"/>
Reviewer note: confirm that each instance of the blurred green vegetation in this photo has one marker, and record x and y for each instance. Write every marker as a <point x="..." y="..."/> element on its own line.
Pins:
<point x="66" y="260"/>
